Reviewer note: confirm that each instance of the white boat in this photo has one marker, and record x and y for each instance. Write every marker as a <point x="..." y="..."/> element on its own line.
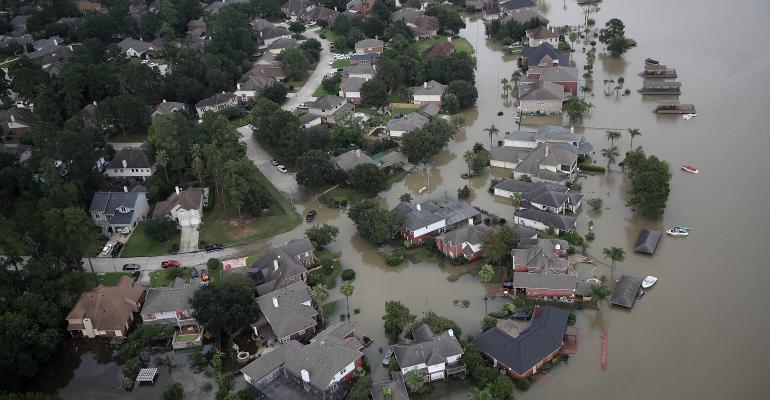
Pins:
<point x="677" y="232"/>
<point x="688" y="117"/>
<point x="649" y="281"/>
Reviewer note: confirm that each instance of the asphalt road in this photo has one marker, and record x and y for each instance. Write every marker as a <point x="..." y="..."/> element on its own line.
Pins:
<point x="306" y="91"/>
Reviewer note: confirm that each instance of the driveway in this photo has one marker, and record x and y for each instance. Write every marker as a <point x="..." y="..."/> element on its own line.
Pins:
<point x="189" y="239"/>
<point x="306" y="91"/>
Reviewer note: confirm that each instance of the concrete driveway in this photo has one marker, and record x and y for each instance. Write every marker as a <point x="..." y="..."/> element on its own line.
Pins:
<point x="188" y="241"/>
<point x="306" y="91"/>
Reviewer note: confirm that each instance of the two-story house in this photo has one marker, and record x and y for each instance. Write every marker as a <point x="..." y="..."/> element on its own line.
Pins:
<point x="217" y="102"/>
<point x="106" y="311"/>
<point x="249" y="89"/>
<point x="541" y="269"/>
<point x="183" y="206"/>
<point x="330" y="107"/>
<point x="118" y="211"/>
<point x="465" y="242"/>
<point x="168" y="108"/>
<point x="435" y="356"/>
<point x="130" y="163"/>
<point x="540" y="35"/>
<point x="550" y="197"/>
<point x="286" y="314"/>
<point x="433" y="218"/>
<point x="398" y="127"/>
<point x="280" y="266"/>
<point x="564" y="76"/>
<point x="541" y="98"/>
<point x="295" y="9"/>
<point x="544" y="55"/>
<point x="368" y="46"/>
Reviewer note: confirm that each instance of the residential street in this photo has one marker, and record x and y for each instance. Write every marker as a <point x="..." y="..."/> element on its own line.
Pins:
<point x="285" y="183"/>
<point x="306" y="92"/>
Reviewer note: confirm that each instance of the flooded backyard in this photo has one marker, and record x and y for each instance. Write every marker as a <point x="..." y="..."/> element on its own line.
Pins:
<point x="700" y="332"/>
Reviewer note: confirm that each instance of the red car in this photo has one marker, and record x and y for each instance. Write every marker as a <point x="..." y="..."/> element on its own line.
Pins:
<point x="170" y="264"/>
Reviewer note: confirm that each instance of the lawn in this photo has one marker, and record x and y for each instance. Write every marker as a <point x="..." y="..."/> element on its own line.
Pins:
<point x="341" y="63"/>
<point x="321" y="91"/>
<point x="352" y="195"/>
<point x="106" y="279"/>
<point x="404" y="111"/>
<point x="187" y="338"/>
<point x="282" y="217"/>
<point x="139" y="244"/>
<point x="461" y="45"/>
<point x="164" y="277"/>
<point x="330" y="35"/>
<point x="330" y="308"/>
<point x="96" y="244"/>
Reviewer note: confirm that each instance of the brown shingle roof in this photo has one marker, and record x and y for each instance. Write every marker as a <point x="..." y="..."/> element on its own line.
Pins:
<point x="190" y="199"/>
<point x="108" y="307"/>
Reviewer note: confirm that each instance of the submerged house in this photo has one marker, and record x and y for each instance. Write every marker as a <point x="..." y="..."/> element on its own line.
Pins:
<point x="541" y="220"/>
<point x="279" y="267"/>
<point x="286" y="314"/>
<point x="436" y="356"/>
<point x="106" y="311"/>
<point x="647" y="241"/>
<point x="542" y="270"/>
<point x="465" y="242"/>
<point x="432" y="218"/>
<point x="549" y="197"/>
<point x="544" y="55"/>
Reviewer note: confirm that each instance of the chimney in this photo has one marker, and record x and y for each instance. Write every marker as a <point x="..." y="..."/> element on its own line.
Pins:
<point x="451" y="332"/>
<point x="55" y="42"/>
<point x="125" y="189"/>
<point x="164" y="100"/>
<point x="94" y="102"/>
<point x="419" y="208"/>
<point x="275" y="302"/>
<point x="176" y="189"/>
<point x="470" y="221"/>
<point x="125" y="164"/>
<point x="275" y="264"/>
<point x="13" y="118"/>
<point x="358" y="153"/>
<point x="425" y="84"/>
<point x="70" y="47"/>
<point x="305" y="376"/>
<point x="572" y="129"/>
<point x="237" y="86"/>
<point x="546" y="149"/>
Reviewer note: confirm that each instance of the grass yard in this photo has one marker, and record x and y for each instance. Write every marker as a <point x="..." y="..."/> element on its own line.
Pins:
<point x="352" y="195"/>
<point x="187" y="338"/>
<point x="461" y="45"/>
<point x="96" y="244"/>
<point x="321" y="91"/>
<point x="341" y="63"/>
<point x="164" y="277"/>
<point x="404" y="111"/>
<point x="139" y="244"/>
<point x="282" y="217"/>
<point x="330" y="35"/>
<point x="106" y="279"/>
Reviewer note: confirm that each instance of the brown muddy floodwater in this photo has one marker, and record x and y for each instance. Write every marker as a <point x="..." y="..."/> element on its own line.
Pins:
<point x="702" y="331"/>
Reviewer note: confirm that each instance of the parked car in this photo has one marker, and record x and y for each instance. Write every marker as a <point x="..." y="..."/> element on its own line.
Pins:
<point x="170" y="264"/>
<point x="214" y="247"/>
<point x="275" y="162"/>
<point x="282" y="169"/>
<point x="302" y="106"/>
<point x="322" y="36"/>
<point x="106" y="249"/>
<point x="194" y="273"/>
<point x="521" y="315"/>
<point x="205" y="275"/>
<point x="136" y="275"/>
<point x="310" y="216"/>
<point x="131" y="267"/>
<point x="117" y="248"/>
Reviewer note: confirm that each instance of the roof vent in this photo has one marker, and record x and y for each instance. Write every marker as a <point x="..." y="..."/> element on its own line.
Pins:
<point x="275" y="302"/>
<point x="451" y="332"/>
<point x="305" y="376"/>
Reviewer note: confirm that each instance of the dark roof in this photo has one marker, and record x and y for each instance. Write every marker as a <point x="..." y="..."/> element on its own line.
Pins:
<point x="327" y="102"/>
<point x="626" y="291"/>
<point x="283" y="43"/>
<point x="277" y="265"/>
<point x="288" y="310"/>
<point x="429" y="110"/>
<point x="542" y="90"/>
<point x="168" y="107"/>
<point x="547" y="194"/>
<point x="351" y="159"/>
<point x="544" y="336"/>
<point x="188" y="199"/>
<point x="440" y="49"/>
<point x="118" y="207"/>
<point x="558" y="221"/>
<point x="19" y="115"/>
<point x="542" y="255"/>
<point x="473" y="234"/>
<point x="647" y="241"/>
<point x="170" y="299"/>
<point x="427" y="348"/>
<point x="364" y="58"/>
<point x="133" y="157"/>
<point x="218" y="98"/>
<point x="352" y="84"/>
<point x="408" y="123"/>
<point x="307" y="118"/>
<point x="396" y="386"/>
<point x="535" y="54"/>
<point x="369" y="43"/>
<point x="542" y="32"/>
<point x="516" y="4"/>
<point x="430" y="213"/>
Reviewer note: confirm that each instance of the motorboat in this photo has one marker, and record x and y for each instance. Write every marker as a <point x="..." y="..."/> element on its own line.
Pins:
<point x="682" y="227"/>
<point x="649" y="281"/>
<point x="689" y="168"/>
<point x="651" y="61"/>
<point x="690" y="116"/>
<point x="640" y="294"/>
<point x="677" y="232"/>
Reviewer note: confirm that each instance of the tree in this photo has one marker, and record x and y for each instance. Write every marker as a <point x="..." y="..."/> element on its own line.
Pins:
<point x="69" y="241"/>
<point x="451" y="103"/>
<point x="397" y="318"/>
<point x="414" y="381"/>
<point x="612" y="136"/>
<point x="468" y="156"/>
<point x="618" y="46"/>
<point x="596" y="204"/>
<point x="439" y="324"/>
<point x="516" y="198"/>
<point x="320" y="293"/>
<point x="614" y="254"/>
<point x="159" y="229"/>
<point x="123" y="114"/>
<point x="362" y="387"/>
<point x="633" y="132"/>
<point x="173" y="392"/>
<point x="387" y="394"/>
<point x="463" y="192"/>
<point x="275" y="92"/>
<point x="374" y="93"/>
<point x="297" y="27"/>
<point x="576" y="108"/>
<point x="477" y="394"/>
<point x="315" y="169"/>
<point x="516" y="78"/>
<point x="610" y="154"/>
<point x="486" y="273"/>
<point x="346" y="288"/>
<point x="465" y="91"/>
<point x="375" y="224"/>
<point x="161" y="158"/>
<point x="405" y="198"/>
<point x="295" y="62"/>
<point x="613" y="28"/>
<point x="422" y="144"/>
<point x="225" y="305"/>
<point x="498" y="245"/>
<point x="650" y="179"/>
<point x="321" y="235"/>
<point x="492" y="130"/>
<point x="241" y="187"/>
<point x="501" y="388"/>
<point x="367" y="178"/>
<point x="600" y="294"/>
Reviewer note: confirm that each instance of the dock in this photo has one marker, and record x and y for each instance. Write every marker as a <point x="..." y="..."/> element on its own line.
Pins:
<point x="674" y="107"/>
<point x="661" y="88"/>
<point x="626" y="291"/>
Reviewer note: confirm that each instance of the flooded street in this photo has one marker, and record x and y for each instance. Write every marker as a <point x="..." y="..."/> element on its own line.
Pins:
<point x="701" y="331"/>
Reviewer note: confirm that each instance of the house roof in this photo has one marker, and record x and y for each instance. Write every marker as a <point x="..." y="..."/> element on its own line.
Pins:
<point x="418" y="22"/>
<point x="440" y="49"/>
<point x="321" y="12"/>
<point x="555" y="74"/>
<point x="277" y="265"/>
<point x="542" y="91"/>
<point x="558" y="221"/>
<point x="256" y="83"/>
<point x="327" y="102"/>
<point x="522" y="353"/>
<point x="541" y="32"/>
<point x="283" y="43"/>
<point x="351" y="84"/>
<point x="289" y="309"/>
<point x="109" y="307"/>
<point x="133" y="157"/>
<point x="307" y="118"/>
<point x="548" y="256"/>
<point x="119" y="207"/>
<point x="169" y="299"/>
<point x="552" y="133"/>
<point x="219" y="98"/>
<point x="296" y="7"/>
<point x="134" y="44"/>
<point x="273" y="32"/>
<point x="626" y="291"/>
<point x="516" y="4"/>
<point x="647" y="241"/>
<point x="364" y="58"/>
<point x="522" y="16"/>
<point x="393" y="158"/>
<point x="188" y="199"/>
<point x="429" y="110"/>
<point x="429" y="88"/>
<point x="323" y="358"/>
<point x="369" y="43"/>
<point x="169" y="107"/>
<point x="524" y="232"/>
<point x="427" y="348"/>
<point x="396" y="386"/>
<point x="351" y="159"/>
<point x="359" y="69"/>
<point x="547" y="154"/>
<point x="508" y="154"/>
<point x="267" y="71"/>
<point x="429" y="213"/>
<point x="407" y="123"/>
<point x="536" y="54"/>
<point x="544" y="281"/>
<point x="547" y="194"/>
<point x="471" y="234"/>
<point x="18" y="115"/>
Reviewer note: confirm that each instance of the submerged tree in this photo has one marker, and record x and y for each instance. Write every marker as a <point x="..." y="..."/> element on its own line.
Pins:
<point x="614" y="254"/>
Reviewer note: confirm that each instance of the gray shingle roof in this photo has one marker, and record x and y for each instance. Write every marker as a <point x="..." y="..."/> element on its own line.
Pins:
<point x="394" y="158"/>
<point x="168" y="107"/>
<point x="283" y="43"/>
<point x="536" y="54"/>
<point x="555" y="74"/>
<point x="542" y="90"/>
<point x="427" y="347"/>
<point x="263" y="271"/>
<point x="508" y="154"/>
<point x="289" y="309"/>
<point x="429" y="110"/>
<point x="396" y="386"/>
<point x="112" y="204"/>
<point x="352" y="84"/>
<point x="407" y="123"/>
<point x="358" y="69"/>
<point x="256" y="83"/>
<point x="219" y="98"/>
<point x="516" y="4"/>
<point x="626" y="291"/>
<point x="430" y="213"/>
<point x="551" y="134"/>
<point x="538" y="280"/>
<point x="562" y="222"/>
<point x="542" y="255"/>
<point x="558" y="154"/>
<point x="369" y="43"/>
<point x="364" y="58"/>
<point x="473" y="234"/>
<point x="429" y="88"/>
<point x="351" y="159"/>
<point x="327" y="102"/>
<point x="134" y="158"/>
<point x="170" y="299"/>
<point x="307" y="118"/>
<point x="544" y="336"/>
<point x="541" y="32"/>
<point x="547" y="194"/>
<point x="647" y="241"/>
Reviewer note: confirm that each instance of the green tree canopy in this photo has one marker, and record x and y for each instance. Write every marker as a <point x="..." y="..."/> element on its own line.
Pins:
<point x="498" y="245"/>
<point x="367" y="178"/>
<point x="375" y="224"/>
<point x="321" y="235"/>
<point x="226" y="305"/>
<point x="397" y="318"/>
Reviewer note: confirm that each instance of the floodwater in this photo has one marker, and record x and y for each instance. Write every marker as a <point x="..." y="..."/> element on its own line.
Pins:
<point x="701" y="331"/>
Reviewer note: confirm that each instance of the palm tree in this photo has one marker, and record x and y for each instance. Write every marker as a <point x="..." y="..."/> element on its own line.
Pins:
<point x="347" y="290"/>
<point x="516" y="197"/>
<point x="492" y="130"/>
<point x="320" y="293"/>
<point x="612" y="136"/>
<point x="633" y="132"/>
<point x="459" y="120"/>
<point x="614" y="254"/>
<point x="161" y="158"/>
<point x="610" y="154"/>
<point x="469" y="156"/>
<point x="504" y="82"/>
<point x="600" y="294"/>
<point x="621" y="81"/>
<point x="515" y="79"/>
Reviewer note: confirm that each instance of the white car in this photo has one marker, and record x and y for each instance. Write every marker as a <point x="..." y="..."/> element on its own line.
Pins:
<point x="282" y="169"/>
<point x="106" y="249"/>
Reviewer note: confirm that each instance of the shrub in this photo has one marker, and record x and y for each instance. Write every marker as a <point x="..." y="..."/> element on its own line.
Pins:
<point x="489" y="322"/>
<point x="356" y="311"/>
<point x="429" y="242"/>
<point x="573" y="238"/>
<point x="174" y="248"/>
<point x="213" y="264"/>
<point x="453" y="278"/>
<point x="523" y="384"/>
<point x="159" y="229"/>
<point x="173" y="392"/>
<point x="570" y="251"/>
<point x="596" y="204"/>
<point x="313" y="278"/>
<point x="466" y="303"/>
<point x="348" y="275"/>
<point x="394" y="258"/>
<point x="327" y="265"/>
<point x="571" y="319"/>
<point x="590" y="236"/>
<point x="591" y="167"/>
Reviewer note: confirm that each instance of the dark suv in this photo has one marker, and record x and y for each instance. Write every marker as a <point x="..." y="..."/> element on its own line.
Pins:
<point x="130" y="267"/>
<point x="116" y="249"/>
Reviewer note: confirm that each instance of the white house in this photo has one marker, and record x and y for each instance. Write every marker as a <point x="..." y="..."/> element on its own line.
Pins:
<point x="429" y="92"/>
<point x="542" y="34"/>
<point x="549" y="197"/>
<point x="217" y="102"/>
<point x="350" y="89"/>
<point x="130" y="162"/>
<point x="436" y="356"/>
<point x="398" y="127"/>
